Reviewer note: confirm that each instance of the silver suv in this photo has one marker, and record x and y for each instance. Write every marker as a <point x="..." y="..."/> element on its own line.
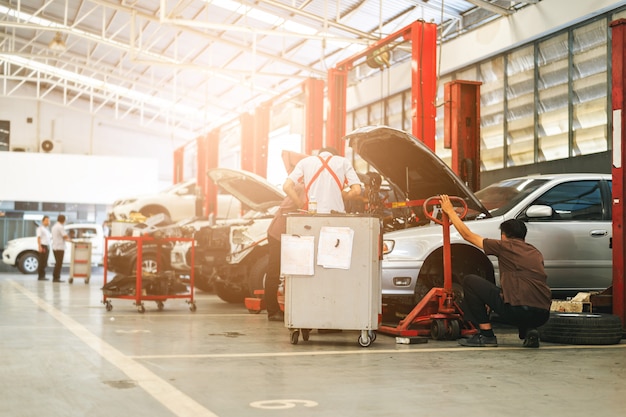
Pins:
<point x="568" y="218"/>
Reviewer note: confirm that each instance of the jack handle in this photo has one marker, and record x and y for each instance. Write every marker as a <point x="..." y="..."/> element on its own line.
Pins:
<point x="435" y="200"/>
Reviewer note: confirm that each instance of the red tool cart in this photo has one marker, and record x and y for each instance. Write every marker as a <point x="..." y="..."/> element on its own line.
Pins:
<point x="145" y="286"/>
<point x="80" y="267"/>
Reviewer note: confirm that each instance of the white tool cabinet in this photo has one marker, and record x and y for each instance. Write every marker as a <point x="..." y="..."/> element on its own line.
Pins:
<point x="335" y="298"/>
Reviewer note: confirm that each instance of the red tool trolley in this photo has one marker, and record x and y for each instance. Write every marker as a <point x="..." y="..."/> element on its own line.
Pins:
<point x="146" y="286"/>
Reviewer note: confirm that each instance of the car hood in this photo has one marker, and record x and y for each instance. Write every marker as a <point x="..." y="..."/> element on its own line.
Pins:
<point x="252" y="190"/>
<point x="409" y="165"/>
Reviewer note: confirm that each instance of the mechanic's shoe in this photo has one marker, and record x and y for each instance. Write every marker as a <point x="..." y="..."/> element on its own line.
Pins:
<point x="276" y="316"/>
<point x="478" y="340"/>
<point x="532" y="339"/>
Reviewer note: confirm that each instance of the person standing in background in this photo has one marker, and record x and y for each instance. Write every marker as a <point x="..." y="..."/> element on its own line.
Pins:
<point x="43" y="243"/>
<point x="324" y="176"/>
<point x="59" y="236"/>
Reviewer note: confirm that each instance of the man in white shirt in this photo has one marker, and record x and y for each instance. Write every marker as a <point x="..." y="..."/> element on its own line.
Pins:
<point x="324" y="176"/>
<point x="43" y="243"/>
<point x="59" y="236"/>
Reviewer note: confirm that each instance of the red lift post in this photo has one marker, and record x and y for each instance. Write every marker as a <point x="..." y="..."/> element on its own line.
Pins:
<point x="423" y="38"/>
<point x="618" y="92"/>
<point x="461" y="131"/>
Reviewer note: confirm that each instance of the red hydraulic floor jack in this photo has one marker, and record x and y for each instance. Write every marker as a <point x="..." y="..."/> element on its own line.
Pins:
<point x="437" y="314"/>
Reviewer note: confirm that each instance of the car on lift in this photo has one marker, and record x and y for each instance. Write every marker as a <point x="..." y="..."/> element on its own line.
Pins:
<point x="23" y="253"/>
<point x="231" y="255"/>
<point x="178" y="202"/>
<point x="568" y="217"/>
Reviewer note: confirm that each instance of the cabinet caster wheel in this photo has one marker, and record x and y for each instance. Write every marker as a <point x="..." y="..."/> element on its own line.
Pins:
<point x="305" y="334"/>
<point x="109" y="306"/>
<point x="192" y="307"/>
<point x="365" y="342"/>
<point x="86" y="281"/>
<point x="71" y="280"/>
<point x="295" y="334"/>
<point x="141" y="308"/>
<point x="160" y="305"/>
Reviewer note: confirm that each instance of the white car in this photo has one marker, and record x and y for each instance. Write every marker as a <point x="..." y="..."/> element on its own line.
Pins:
<point x="178" y="202"/>
<point x="23" y="253"/>
<point x="568" y="217"/>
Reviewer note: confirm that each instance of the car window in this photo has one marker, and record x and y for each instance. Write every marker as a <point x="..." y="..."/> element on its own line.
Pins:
<point x="575" y="200"/>
<point x="500" y="197"/>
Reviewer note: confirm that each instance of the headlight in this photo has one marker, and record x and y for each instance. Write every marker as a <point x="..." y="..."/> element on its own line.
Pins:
<point x="388" y="246"/>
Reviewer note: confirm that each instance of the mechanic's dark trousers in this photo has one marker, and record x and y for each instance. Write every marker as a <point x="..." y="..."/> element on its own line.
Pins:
<point x="43" y="261"/>
<point x="478" y="292"/>
<point x="58" y="257"/>
<point x="272" y="278"/>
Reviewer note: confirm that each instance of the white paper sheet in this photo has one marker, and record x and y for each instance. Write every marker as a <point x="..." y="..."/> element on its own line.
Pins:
<point x="334" y="248"/>
<point x="297" y="255"/>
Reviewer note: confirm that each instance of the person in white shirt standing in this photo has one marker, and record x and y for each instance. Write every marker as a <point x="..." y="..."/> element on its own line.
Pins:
<point x="43" y="242"/>
<point x="324" y="176"/>
<point x="59" y="236"/>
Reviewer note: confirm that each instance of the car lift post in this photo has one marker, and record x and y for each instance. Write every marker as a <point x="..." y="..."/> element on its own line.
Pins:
<point x="423" y="39"/>
<point x="618" y="94"/>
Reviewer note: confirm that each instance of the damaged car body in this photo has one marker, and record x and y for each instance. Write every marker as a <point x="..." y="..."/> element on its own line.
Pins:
<point x="231" y="256"/>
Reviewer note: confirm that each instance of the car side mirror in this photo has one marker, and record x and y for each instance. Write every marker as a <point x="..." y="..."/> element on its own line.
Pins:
<point x="537" y="211"/>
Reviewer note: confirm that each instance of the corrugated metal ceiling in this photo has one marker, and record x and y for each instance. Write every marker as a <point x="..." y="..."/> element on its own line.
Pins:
<point x="197" y="63"/>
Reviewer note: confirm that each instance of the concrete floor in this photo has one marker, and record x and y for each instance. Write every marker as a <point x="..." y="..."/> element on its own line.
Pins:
<point x="63" y="354"/>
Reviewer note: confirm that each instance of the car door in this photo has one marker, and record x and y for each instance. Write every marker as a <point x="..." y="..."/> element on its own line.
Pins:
<point x="575" y="240"/>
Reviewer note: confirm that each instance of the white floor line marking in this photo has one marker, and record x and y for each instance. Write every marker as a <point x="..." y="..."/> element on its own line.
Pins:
<point x="364" y="351"/>
<point x="170" y="397"/>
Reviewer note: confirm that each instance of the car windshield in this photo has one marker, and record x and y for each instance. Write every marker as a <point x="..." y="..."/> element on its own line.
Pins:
<point x="500" y="197"/>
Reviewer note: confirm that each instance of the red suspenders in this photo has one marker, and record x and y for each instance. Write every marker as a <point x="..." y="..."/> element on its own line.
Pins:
<point x="324" y="166"/>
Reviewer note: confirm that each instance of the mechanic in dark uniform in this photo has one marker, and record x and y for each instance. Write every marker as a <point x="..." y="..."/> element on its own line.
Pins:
<point x="524" y="299"/>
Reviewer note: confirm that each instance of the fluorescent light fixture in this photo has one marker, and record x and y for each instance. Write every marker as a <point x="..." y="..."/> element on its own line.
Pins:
<point x="57" y="44"/>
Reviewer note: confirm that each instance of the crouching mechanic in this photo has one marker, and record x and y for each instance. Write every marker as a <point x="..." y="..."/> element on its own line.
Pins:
<point x="524" y="299"/>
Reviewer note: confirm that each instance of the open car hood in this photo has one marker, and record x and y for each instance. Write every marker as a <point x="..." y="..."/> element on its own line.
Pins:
<point x="409" y="165"/>
<point x="252" y="190"/>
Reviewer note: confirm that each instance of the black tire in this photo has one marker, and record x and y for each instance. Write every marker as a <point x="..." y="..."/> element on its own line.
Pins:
<point x="582" y="329"/>
<point x="258" y="271"/>
<point x="229" y="294"/>
<point x="203" y="283"/>
<point x="149" y="264"/>
<point x="28" y="262"/>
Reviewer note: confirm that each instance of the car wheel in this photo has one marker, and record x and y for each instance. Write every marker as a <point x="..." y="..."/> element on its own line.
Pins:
<point x="28" y="263"/>
<point x="582" y="329"/>
<point x="203" y="283"/>
<point x="256" y="278"/>
<point x="229" y="293"/>
<point x="149" y="265"/>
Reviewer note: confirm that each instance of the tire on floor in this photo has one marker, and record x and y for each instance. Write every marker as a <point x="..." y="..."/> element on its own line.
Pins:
<point x="582" y="329"/>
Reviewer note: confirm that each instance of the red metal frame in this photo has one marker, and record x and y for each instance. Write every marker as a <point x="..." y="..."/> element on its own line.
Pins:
<point x="423" y="38"/>
<point x="437" y="310"/>
<point x="461" y="131"/>
<point x="208" y="157"/>
<point x="618" y="92"/>
<point x="139" y="297"/>
<point x="179" y="157"/>
<point x="314" y="115"/>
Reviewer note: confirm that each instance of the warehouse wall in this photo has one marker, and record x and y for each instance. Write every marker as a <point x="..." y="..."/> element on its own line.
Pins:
<point x="78" y="132"/>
